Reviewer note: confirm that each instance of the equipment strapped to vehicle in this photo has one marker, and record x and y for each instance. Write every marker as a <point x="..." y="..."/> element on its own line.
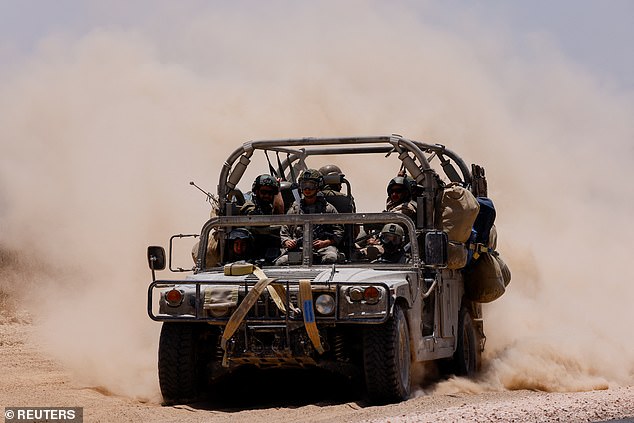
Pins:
<point x="459" y="211"/>
<point x="276" y="291"/>
<point x="306" y="298"/>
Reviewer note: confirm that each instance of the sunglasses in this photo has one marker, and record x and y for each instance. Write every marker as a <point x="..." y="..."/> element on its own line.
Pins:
<point x="267" y="192"/>
<point x="397" y="191"/>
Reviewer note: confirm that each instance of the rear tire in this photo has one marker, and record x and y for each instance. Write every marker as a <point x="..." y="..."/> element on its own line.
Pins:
<point x="180" y="373"/>
<point x="467" y="358"/>
<point x="387" y="359"/>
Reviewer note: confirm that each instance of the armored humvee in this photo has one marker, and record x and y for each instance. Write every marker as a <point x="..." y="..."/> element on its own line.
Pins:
<point x="357" y="316"/>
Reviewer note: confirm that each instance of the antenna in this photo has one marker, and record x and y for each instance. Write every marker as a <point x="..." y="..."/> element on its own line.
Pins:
<point x="210" y="197"/>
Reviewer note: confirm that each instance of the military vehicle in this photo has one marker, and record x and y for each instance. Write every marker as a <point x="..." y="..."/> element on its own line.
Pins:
<point x="359" y="317"/>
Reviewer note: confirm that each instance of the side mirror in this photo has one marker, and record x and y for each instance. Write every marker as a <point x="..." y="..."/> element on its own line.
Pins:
<point x="434" y="248"/>
<point x="156" y="257"/>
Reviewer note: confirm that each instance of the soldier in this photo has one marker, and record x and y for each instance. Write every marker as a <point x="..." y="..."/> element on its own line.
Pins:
<point x="325" y="237"/>
<point x="333" y="188"/>
<point x="392" y="242"/>
<point x="265" y="189"/>
<point x="344" y="203"/>
<point x="388" y="247"/>
<point x="399" y="200"/>
<point x="266" y="200"/>
<point x="240" y="246"/>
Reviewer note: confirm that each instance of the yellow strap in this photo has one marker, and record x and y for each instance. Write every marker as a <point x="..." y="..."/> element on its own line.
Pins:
<point x="238" y="316"/>
<point x="259" y="273"/>
<point x="306" y="304"/>
<point x="278" y="293"/>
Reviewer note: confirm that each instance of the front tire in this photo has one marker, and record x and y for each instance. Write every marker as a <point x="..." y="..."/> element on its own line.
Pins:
<point x="178" y="363"/>
<point x="387" y="359"/>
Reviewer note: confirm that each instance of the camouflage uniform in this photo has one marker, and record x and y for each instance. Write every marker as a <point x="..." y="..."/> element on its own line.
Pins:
<point x="257" y="207"/>
<point x="334" y="190"/>
<point x="392" y="239"/>
<point x="403" y="202"/>
<point x="329" y="254"/>
<point x="408" y="208"/>
<point x="388" y="250"/>
<point x="399" y="200"/>
<point x="267" y="238"/>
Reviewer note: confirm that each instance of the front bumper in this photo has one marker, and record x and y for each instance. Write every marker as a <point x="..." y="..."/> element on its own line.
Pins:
<point x="214" y="301"/>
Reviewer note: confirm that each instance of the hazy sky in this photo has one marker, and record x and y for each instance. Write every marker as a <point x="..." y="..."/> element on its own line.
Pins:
<point x="596" y="34"/>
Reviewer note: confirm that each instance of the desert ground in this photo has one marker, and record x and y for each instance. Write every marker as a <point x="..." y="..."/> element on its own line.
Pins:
<point x="31" y="378"/>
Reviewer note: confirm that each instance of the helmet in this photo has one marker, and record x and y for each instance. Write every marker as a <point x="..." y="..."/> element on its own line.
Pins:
<point x="392" y="234"/>
<point x="266" y="180"/>
<point x="330" y="169"/>
<point x="312" y="175"/>
<point x="400" y="180"/>
<point x="332" y="177"/>
<point x="240" y="233"/>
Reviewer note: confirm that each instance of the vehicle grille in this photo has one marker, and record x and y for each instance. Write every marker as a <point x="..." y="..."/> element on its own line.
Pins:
<point x="266" y="309"/>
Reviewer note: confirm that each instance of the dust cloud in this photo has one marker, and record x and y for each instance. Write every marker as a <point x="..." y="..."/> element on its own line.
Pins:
<point x="101" y="133"/>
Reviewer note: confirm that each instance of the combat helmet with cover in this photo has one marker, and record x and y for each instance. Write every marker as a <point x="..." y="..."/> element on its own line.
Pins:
<point x="330" y="169"/>
<point x="265" y="180"/>
<point x="311" y="175"/>
<point x="240" y="233"/>
<point x="333" y="176"/>
<point x="392" y="234"/>
<point x="403" y="181"/>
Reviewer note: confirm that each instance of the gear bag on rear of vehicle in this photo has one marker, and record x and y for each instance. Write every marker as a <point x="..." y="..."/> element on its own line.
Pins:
<point x="459" y="211"/>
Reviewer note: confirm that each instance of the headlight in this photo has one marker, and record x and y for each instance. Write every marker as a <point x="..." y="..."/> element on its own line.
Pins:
<point x="325" y="304"/>
<point x="356" y="293"/>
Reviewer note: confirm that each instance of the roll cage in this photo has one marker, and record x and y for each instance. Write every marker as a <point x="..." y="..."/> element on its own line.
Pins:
<point x="415" y="157"/>
<point x="292" y="154"/>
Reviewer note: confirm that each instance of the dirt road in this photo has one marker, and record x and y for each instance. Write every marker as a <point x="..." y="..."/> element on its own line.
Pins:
<point x="33" y="379"/>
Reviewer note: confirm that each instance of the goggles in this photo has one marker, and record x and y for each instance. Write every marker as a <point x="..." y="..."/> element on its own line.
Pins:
<point x="312" y="185"/>
<point x="393" y="239"/>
